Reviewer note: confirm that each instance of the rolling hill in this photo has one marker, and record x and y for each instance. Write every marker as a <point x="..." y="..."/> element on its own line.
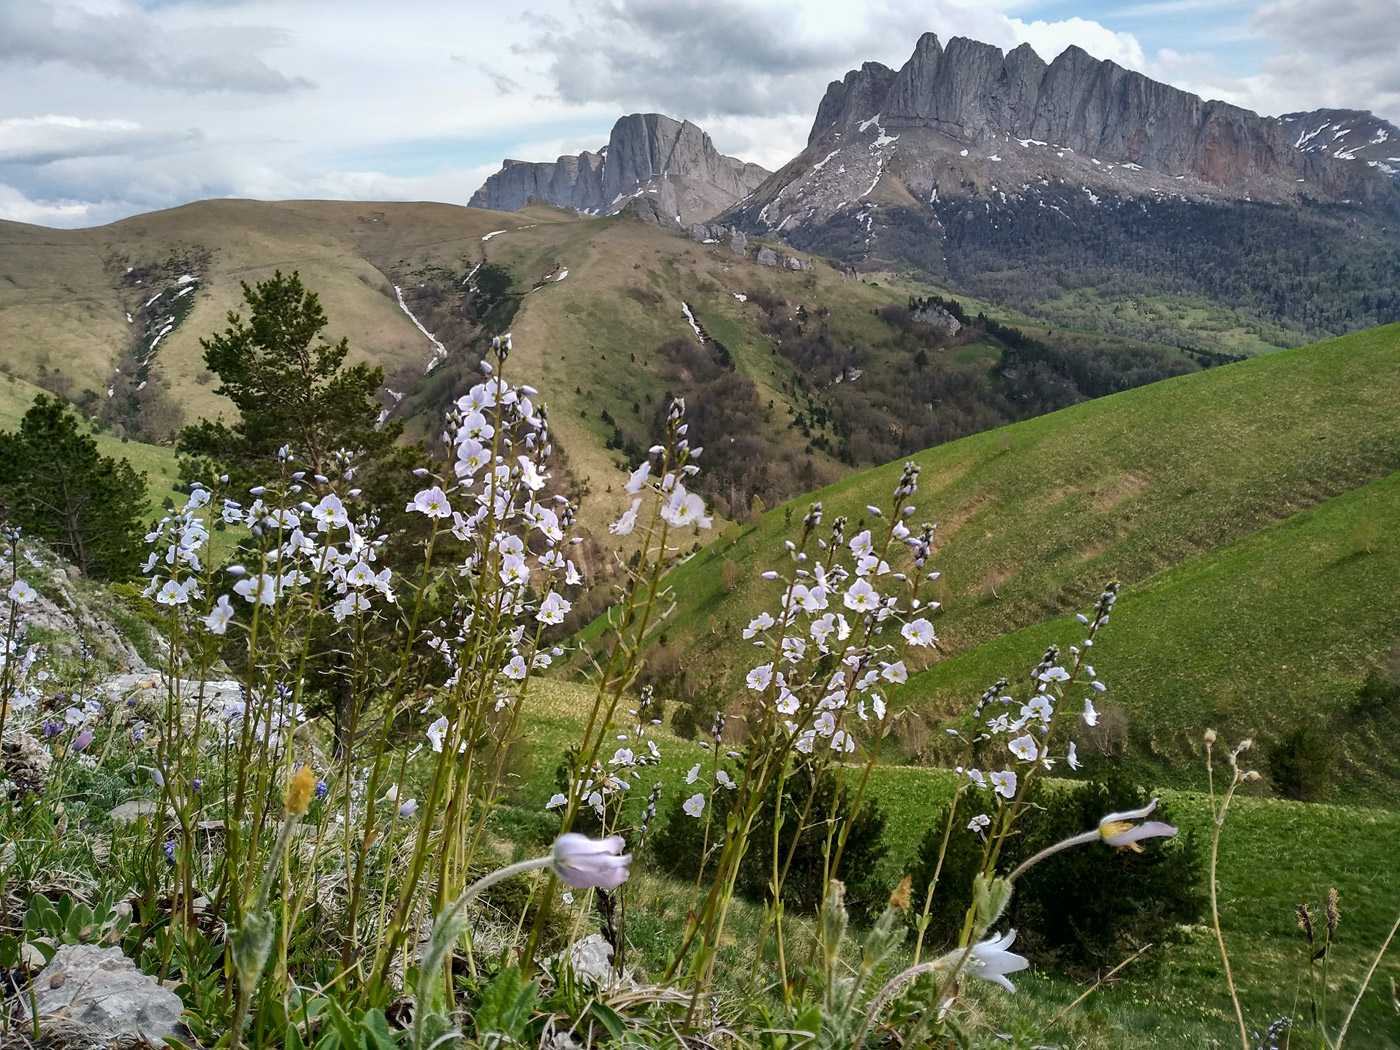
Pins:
<point x="1034" y="517"/>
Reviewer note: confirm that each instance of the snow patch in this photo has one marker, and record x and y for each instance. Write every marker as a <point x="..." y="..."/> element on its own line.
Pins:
<point x="994" y="157"/>
<point x="1130" y="166"/>
<point x="493" y="233"/>
<point x="695" y="326"/>
<point x="439" y="351"/>
<point x="186" y="278"/>
<point x="962" y="153"/>
<point x="562" y="274"/>
<point x="822" y="163"/>
<point x="885" y="140"/>
<point x="873" y="120"/>
<point x="741" y="297"/>
<point x="1030" y="142"/>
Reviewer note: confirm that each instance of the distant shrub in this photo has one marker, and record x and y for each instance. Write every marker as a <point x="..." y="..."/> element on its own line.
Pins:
<point x="1086" y="909"/>
<point x="1301" y="765"/>
<point x="679" y="844"/>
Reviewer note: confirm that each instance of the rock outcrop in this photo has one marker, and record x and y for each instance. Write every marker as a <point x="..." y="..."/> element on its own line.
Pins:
<point x="647" y="155"/>
<point x="968" y="122"/>
<point x="972" y="92"/>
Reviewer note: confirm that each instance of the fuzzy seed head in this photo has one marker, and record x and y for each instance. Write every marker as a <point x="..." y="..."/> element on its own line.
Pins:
<point x="299" y="790"/>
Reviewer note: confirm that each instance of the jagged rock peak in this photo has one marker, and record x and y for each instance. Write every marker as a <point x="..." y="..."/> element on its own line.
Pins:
<point x="647" y="153"/>
<point x="977" y="95"/>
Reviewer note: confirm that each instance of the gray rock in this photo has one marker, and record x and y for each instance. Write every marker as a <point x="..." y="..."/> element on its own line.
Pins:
<point x="796" y="263"/>
<point x="738" y="243"/>
<point x="697" y="232"/>
<point x="645" y="152"/>
<point x="102" y="990"/>
<point x="591" y="959"/>
<point x="937" y="317"/>
<point x="129" y="812"/>
<point x="767" y="257"/>
<point x="25" y="763"/>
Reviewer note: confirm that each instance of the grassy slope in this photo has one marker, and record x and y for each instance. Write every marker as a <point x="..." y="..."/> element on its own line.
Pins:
<point x="1273" y="856"/>
<point x="1034" y="517"/>
<point x="1275" y="630"/>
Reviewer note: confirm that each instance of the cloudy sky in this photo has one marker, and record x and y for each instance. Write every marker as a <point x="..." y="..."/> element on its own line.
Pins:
<point x="109" y="108"/>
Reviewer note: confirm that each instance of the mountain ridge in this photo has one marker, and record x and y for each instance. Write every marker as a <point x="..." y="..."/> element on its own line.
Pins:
<point x="648" y="155"/>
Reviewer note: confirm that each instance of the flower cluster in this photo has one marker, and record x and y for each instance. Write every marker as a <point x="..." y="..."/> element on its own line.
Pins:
<point x="1024" y="729"/>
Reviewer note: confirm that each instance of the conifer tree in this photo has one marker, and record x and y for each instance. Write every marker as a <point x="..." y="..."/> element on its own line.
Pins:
<point x="91" y="508"/>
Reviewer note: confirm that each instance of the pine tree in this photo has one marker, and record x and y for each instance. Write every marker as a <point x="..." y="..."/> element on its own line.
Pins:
<point x="91" y="508"/>
<point x="290" y="386"/>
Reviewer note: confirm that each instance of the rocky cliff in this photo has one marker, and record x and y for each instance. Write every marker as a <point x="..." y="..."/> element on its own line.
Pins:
<point x="971" y="121"/>
<point x="664" y="170"/>
<point x="1346" y="134"/>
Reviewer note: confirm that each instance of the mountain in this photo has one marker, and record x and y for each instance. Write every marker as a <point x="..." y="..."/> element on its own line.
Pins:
<point x="1038" y="184"/>
<point x="662" y="170"/>
<point x="1346" y="134"/>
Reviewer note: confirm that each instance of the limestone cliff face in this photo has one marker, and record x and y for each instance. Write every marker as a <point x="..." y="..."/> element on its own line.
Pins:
<point x="977" y="95"/>
<point x="647" y="154"/>
<point x="970" y="122"/>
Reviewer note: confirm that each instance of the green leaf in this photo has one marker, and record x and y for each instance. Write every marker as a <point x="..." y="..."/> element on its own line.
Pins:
<point x="506" y="1005"/>
<point x="611" y="1020"/>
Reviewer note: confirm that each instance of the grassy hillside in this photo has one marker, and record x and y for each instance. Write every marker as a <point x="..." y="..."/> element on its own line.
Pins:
<point x="1274" y="631"/>
<point x="1274" y="855"/>
<point x="1034" y="517"/>
<point x="112" y="317"/>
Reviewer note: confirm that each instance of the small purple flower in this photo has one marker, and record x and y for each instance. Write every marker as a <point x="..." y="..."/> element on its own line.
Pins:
<point x="195" y="785"/>
<point x="84" y="739"/>
<point x="52" y="728"/>
<point x="321" y="788"/>
<point x="170" y="852"/>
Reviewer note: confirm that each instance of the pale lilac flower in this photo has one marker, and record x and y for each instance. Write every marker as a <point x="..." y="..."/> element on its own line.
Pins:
<point x="556" y="800"/>
<point x="1091" y="716"/>
<point x="553" y="608"/>
<point x="684" y="509"/>
<point x="991" y="961"/>
<point x="172" y="593"/>
<point x="638" y="478"/>
<point x="624" y="525"/>
<point x="918" y="632"/>
<point x="1004" y="783"/>
<point x="759" y="678"/>
<point x="330" y="513"/>
<point x="437" y="733"/>
<point x="895" y="672"/>
<point x="21" y="593"/>
<point x="1023" y="747"/>
<point x="83" y="740"/>
<point x="408" y="808"/>
<point x="1073" y="757"/>
<point x="694" y="805"/>
<point x="758" y="624"/>
<point x="586" y="863"/>
<point x="693" y="774"/>
<point x="724" y="780"/>
<point x="432" y="502"/>
<point x="861" y="597"/>
<point x="979" y="823"/>
<point x="219" y="616"/>
<point x="1118" y="829"/>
